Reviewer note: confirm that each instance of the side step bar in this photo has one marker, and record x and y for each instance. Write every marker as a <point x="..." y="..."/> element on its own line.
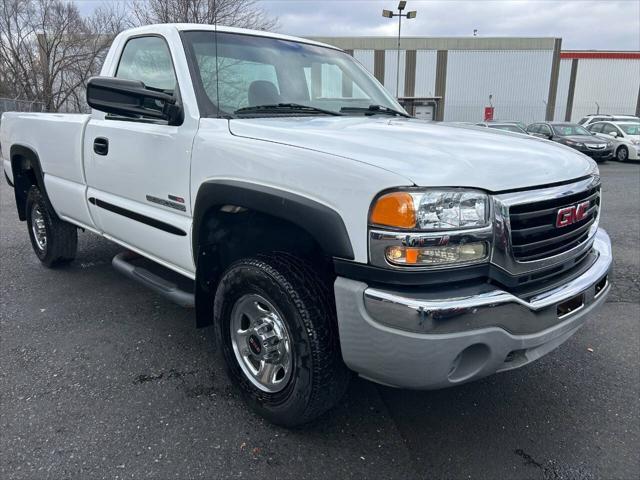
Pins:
<point x="123" y="263"/>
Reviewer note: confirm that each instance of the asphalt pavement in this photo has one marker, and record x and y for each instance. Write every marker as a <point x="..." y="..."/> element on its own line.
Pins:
<point x="101" y="378"/>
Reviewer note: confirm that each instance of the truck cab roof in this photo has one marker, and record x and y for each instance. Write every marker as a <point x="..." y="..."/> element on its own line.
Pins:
<point x="182" y="27"/>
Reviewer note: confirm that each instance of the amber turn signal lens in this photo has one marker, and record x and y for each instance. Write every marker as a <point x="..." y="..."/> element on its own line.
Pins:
<point x="437" y="254"/>
<point x="394" y="210"/>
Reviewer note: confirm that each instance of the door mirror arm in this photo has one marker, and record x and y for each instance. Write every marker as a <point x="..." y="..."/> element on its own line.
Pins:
<point x="174" y="112"/>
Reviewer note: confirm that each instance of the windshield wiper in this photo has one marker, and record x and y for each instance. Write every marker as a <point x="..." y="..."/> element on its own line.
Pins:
<point x="374" y="110"/>
<point x="284" y="108"/>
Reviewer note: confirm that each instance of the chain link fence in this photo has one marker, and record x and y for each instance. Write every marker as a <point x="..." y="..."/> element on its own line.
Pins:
<point x="12" y="105"/>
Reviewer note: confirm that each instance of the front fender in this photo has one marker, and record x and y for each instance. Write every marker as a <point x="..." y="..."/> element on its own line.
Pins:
<point x="324" y="224"/>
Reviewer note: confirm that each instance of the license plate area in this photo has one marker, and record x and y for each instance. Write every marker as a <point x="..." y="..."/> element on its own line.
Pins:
<point x="570" y="306"/>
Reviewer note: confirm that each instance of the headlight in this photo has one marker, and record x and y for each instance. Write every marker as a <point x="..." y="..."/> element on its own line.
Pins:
<point x="635" y="142"/>
<point x="430" y="228"/>
<point x="574" y="144"/>
<point x="431" y="210"/>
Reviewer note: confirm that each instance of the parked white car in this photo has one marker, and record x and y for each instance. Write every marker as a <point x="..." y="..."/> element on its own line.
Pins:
<point x="324" y="230"/>
<point x="593" y="118"/>
<point x="624" y="135"/>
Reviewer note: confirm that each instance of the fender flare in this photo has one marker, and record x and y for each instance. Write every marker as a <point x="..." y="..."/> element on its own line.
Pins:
<point x="31" y="156"/>
<point x="323" y="223"/>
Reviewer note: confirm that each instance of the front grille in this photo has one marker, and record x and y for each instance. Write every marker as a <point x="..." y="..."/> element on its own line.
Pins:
<point x="534" y="234"/>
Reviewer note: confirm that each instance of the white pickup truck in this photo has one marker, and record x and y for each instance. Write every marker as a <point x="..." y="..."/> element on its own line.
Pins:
<point x="272" y="183"/>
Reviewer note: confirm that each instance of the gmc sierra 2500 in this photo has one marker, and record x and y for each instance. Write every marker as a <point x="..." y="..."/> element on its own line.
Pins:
<point x="322" y="229"/>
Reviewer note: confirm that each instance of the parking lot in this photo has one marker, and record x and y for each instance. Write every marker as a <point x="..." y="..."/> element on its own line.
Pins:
<point x="100" y="378"/>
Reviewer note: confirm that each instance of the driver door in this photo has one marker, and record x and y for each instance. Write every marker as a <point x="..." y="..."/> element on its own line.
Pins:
<point x="138" y="168"/>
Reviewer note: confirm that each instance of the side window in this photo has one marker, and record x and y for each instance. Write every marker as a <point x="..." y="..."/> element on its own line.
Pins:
<point x="545" y="130"/>
<point x="533" y="128"/>
<point x="148" y="60"/>
<point x="609" y="128"/>
<point x="596" y="127"/>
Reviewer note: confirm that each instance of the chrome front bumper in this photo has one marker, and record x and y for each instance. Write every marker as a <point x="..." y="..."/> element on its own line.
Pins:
<point x="440" y="338"/>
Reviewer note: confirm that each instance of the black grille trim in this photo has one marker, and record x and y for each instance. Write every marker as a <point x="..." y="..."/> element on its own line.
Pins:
<point x="534" y="235"/>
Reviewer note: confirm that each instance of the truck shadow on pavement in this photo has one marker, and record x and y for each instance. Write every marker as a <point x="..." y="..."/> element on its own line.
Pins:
<point x="451" y="431"/>
<point x="121" y="357"/>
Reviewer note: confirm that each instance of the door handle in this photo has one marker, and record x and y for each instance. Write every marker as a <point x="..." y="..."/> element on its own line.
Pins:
<point x="101" y="146"/>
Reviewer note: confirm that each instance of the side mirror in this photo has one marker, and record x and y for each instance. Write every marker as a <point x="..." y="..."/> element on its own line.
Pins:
<point x="131" y="98"/>
<point x="613" y="134"/>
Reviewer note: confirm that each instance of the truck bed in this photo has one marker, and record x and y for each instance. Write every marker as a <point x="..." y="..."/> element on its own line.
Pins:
<point x="57" y="138"/>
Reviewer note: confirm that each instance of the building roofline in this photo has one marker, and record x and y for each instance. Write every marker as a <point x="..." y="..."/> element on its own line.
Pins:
<point x="440" y="43"/>
<point x="598" y="54"/>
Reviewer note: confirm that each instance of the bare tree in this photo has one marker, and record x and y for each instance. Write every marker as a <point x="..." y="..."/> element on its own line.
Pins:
<point x="106" y="22"/>
<point x="233" y="13"/>
<point x="48" y="51"/>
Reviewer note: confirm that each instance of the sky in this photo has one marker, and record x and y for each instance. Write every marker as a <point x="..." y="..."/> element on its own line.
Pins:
<point x="582" y="24"/>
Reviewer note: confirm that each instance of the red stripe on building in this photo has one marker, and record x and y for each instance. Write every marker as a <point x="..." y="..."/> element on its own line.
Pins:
<point x="602" y="55"/>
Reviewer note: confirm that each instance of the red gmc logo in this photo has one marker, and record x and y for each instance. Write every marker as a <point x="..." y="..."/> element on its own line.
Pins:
<point x="570" y="215"/>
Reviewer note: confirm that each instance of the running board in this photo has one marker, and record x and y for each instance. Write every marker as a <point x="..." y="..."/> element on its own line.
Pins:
<point x="161" y="280"/>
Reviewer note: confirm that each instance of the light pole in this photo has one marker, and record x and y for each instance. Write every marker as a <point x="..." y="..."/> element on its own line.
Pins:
<point x="389" y="14"/>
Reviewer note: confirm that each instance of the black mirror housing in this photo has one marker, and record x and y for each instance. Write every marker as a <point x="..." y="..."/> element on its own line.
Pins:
<point x="131" y="98"/>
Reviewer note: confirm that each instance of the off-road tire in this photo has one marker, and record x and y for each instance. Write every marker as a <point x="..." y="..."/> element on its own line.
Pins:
<point x="319" y="377"/>
<point x="61" y="237"/>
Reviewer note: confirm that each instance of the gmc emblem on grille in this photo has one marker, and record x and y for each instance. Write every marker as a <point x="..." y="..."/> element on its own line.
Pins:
<point x="570" y="215"/>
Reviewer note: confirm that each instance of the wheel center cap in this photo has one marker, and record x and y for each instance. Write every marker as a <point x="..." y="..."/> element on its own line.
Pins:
<point x="254" y="344"/>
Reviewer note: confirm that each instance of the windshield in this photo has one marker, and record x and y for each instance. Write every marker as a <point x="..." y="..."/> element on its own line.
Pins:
<point x="508" y="128"/>
<point x="630" y="128"/>
<point x="569" y="130"/>
<point x="257" y="71"/>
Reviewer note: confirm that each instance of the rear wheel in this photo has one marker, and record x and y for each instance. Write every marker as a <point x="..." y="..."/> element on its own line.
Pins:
<point x="622" y="155"/>
<point x="275" y="323"/>
<point x="54" y="241"/>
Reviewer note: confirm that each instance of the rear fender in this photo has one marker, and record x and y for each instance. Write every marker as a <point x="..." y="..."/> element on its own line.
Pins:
<point x="27" y="171"/>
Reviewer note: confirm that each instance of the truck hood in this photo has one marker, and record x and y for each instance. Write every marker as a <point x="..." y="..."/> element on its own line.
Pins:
<point x="427" y="154"/>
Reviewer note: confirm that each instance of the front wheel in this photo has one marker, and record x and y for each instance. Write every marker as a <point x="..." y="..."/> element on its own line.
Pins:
<point x="275" y="323"/>
<point x="622" y="154"/>
<point x="54" y="241"/>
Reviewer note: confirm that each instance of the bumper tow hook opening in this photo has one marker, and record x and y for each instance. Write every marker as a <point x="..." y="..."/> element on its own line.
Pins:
<point x="570" y="306"/>
<point x="516" y="357"/>
<point x="601" y="285"/>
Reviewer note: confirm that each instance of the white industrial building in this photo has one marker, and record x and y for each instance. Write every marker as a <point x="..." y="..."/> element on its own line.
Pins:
<point x="589" y="80"/>
<point x="525" y="79"/>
